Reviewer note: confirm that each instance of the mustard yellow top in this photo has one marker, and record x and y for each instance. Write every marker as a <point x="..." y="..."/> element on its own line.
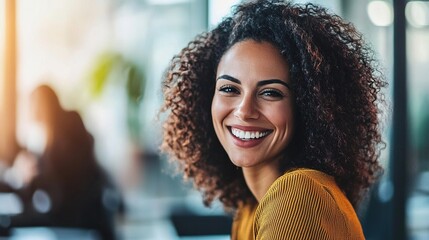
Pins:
<point x="301" y="204"/>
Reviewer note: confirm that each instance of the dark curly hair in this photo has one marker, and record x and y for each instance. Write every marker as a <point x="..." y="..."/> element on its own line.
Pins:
<point x="337" y="92"/>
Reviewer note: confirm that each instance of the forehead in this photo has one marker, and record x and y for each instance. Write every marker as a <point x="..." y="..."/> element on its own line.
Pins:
<point x="252" y="59"/>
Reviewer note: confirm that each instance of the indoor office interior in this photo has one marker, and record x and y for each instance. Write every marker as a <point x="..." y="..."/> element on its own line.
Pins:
<point x="104" y="61"/>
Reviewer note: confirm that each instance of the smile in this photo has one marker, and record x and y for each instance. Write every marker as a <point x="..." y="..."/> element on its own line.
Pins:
<point x="249" y="135"/>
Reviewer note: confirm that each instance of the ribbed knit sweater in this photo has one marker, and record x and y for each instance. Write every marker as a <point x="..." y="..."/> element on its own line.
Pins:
<point x="301" y="204"/>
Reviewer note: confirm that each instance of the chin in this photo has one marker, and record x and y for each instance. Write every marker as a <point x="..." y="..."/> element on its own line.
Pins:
<point x="243" y="162"/>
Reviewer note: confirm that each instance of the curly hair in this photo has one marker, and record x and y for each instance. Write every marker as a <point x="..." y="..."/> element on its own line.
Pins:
<point x="337" y="92"/>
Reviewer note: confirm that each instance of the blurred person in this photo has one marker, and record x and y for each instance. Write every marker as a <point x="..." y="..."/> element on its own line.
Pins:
<point x="57" y="176"/>
<point x="275" y="113"/>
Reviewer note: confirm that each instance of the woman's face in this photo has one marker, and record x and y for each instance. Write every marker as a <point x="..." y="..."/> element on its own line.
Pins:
<point x="252" y="108"/>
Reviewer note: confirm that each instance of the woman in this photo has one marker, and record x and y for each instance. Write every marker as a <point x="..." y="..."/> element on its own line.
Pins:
<point x="292" y="137"/>
<point x="66" y="186"/>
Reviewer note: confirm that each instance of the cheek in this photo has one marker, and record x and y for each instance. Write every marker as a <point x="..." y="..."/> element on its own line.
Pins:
<point x="219" y="110"/>
<point x="282" y="116"/>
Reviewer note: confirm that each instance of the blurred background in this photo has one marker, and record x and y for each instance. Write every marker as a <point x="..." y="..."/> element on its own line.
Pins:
<point x="104" y="60"/>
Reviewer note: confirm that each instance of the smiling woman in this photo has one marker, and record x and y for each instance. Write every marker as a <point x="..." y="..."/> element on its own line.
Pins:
<point x="291" y="141"/>
<point x="253" y="116"/>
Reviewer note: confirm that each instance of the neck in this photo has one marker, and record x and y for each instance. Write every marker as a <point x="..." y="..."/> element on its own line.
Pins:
<point x="260" y="178"/>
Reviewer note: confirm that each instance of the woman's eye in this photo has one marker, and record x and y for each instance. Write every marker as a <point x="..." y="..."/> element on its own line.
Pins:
<point x="228" y="89"/>
<point x="271" y="94"/>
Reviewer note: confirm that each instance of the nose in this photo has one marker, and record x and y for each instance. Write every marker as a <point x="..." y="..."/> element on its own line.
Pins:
<point x="247" y="109"/>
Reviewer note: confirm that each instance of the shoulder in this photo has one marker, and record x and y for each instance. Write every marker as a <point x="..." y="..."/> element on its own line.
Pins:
<point x="303" y="191"/>
<point x="302" y="178"/>
<point x="305" y="204"/>
<point x="74" y="117"/>
<point x="299" y="187"/>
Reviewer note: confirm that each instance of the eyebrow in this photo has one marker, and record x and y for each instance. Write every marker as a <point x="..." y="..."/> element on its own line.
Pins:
<point x="230" y="78"/>
<point x="260" y="83"/>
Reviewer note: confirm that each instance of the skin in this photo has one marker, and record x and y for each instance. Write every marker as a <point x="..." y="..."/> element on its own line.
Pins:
<point x="252" y="97"/>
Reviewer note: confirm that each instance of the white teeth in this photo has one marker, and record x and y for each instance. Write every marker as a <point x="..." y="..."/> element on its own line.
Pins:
<point x="248" y="134"/>
<point x="241" y="134"/>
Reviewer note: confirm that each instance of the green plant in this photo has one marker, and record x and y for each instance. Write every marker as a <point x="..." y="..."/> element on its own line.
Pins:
<point x="110" y="68"/>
